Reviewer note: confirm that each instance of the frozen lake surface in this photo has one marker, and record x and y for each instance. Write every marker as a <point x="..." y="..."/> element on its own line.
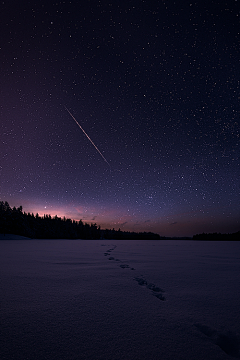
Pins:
<point x="115" y="299"/>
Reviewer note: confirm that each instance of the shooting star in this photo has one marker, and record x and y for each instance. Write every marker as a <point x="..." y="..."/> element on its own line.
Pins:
<point x="87" y="136"/>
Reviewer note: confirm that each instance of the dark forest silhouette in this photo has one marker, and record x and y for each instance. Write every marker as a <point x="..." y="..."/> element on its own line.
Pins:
<point x="217" y="236"/>
<point x="15" y="221"/>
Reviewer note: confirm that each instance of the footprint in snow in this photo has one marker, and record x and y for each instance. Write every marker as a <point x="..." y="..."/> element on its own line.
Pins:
<point x="156" y="291"/>
<point x="228" y="341"/>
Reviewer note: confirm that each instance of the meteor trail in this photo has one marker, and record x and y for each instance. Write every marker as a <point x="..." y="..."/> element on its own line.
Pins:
<point x="87" y="136"/>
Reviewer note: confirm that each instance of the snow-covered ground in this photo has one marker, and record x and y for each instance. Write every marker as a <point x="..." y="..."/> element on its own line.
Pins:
<point x="115" y="299"/>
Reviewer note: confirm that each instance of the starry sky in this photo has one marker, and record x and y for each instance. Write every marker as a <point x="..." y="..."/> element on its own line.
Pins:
<point x="155" y="89"/>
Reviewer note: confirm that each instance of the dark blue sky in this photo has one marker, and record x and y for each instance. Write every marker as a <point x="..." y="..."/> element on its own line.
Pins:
<point x="154" y="84"/>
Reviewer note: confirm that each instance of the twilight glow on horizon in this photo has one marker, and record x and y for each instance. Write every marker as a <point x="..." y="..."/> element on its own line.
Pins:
<point x="124" y="114"/>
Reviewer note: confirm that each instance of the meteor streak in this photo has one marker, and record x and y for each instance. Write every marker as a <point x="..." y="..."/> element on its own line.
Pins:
<point x="87" y="136"/>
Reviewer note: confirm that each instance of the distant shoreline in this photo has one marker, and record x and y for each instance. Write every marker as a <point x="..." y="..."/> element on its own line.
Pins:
<point x="19" y="237"/>
<point x="13" y="237"/>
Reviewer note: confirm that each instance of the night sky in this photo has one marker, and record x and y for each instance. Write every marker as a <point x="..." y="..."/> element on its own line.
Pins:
<point x="155" y="85"/>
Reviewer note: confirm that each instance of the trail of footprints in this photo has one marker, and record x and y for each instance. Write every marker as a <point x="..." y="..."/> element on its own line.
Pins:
<point x="228" y="341"/>
<point x="156" y="291"/>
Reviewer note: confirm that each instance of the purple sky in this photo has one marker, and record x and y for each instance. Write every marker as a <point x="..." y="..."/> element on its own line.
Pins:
<point x="154" y="85"/>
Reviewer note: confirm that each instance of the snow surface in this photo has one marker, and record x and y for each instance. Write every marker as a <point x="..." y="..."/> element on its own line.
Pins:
<point x="115" y="299"/>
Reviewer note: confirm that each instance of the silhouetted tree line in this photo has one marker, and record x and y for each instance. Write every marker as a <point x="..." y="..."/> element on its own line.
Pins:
<point x="217" y="236"/>
<point x="15" y="221"/>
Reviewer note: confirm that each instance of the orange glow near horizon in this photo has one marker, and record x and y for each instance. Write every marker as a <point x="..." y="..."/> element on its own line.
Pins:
<point x="110" y="216"/>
